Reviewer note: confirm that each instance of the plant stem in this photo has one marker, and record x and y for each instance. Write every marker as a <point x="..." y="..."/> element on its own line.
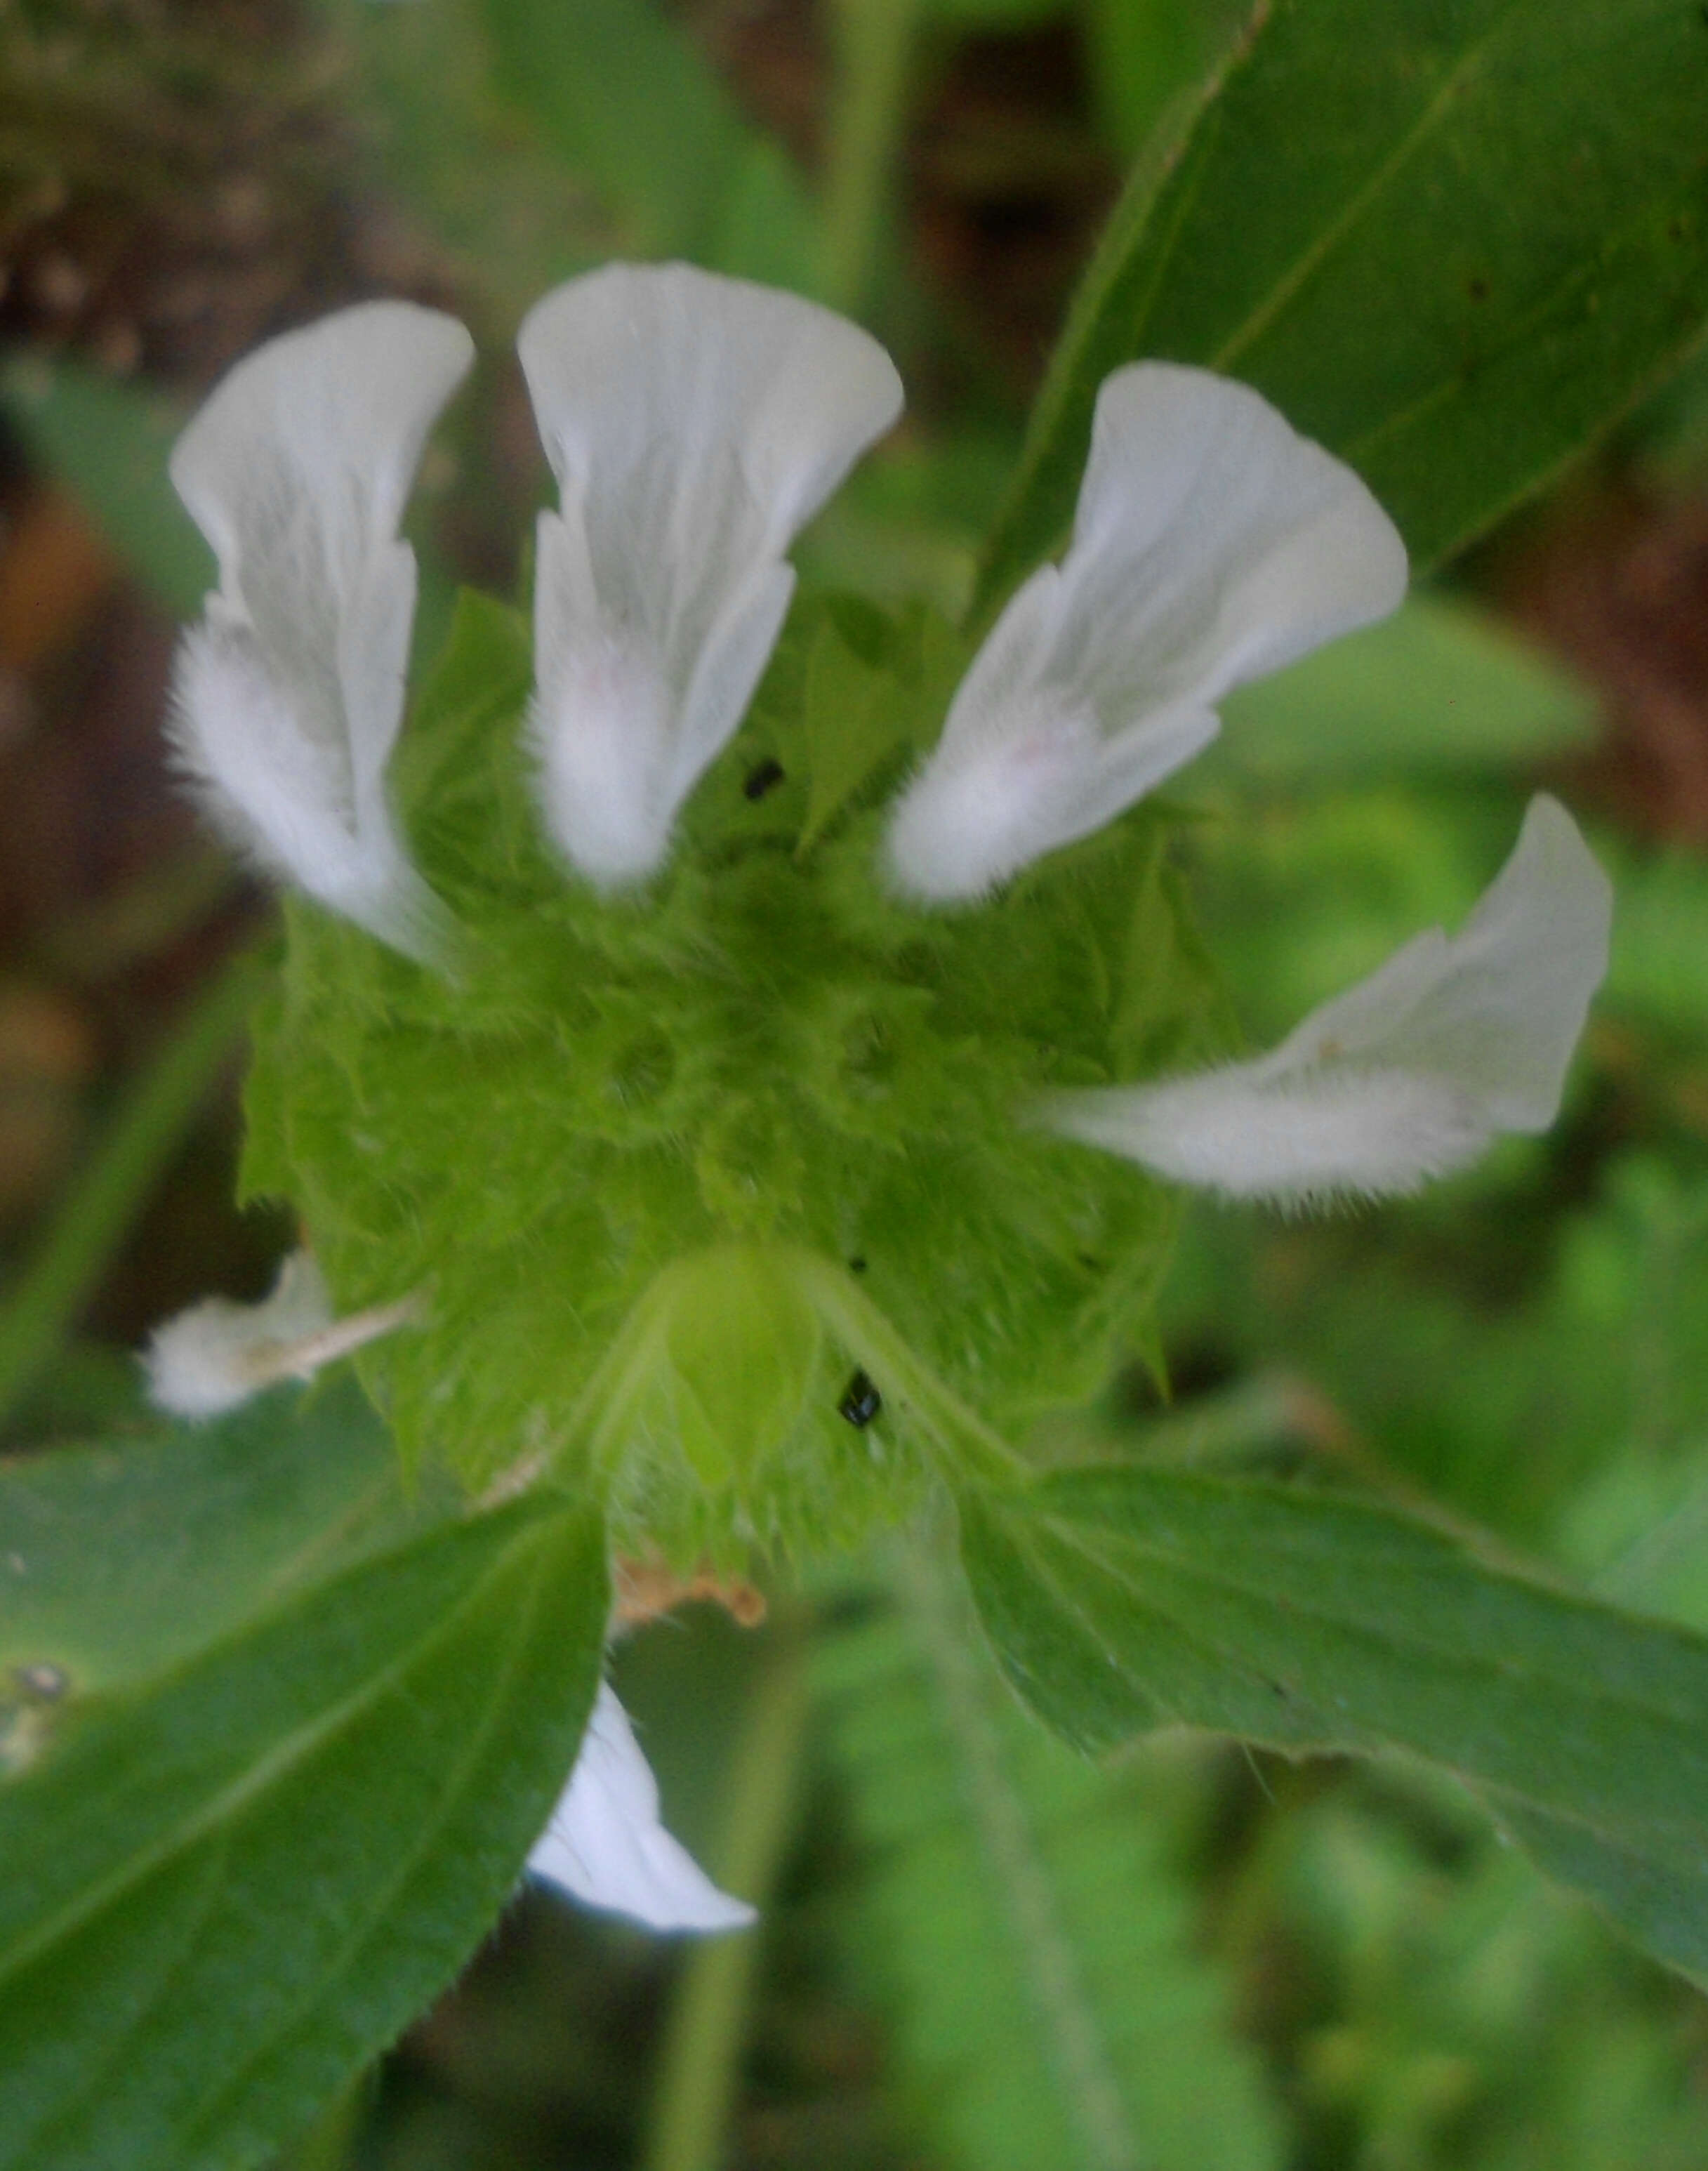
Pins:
<point x="874" y="44"/>
<point x="708" y="2017"/>
<point x="144" y="1130"/>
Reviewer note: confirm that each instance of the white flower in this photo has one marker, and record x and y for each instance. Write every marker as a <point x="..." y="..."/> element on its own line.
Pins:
<point x="1407" y="1075"/>
<point x="1211" y="545"/>
<point x="606" y="1847"/>
<point x="217" y="1355"/>
<point x="288" y="696"/>
<point x="695" y="424"/>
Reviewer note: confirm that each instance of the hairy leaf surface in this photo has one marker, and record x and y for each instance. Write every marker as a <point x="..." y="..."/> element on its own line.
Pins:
<point x="1122" y="1599"/>
<point x="244" y="1853"/>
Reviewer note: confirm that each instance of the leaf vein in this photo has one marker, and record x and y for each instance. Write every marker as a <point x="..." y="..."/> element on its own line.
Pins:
<point x="1387" y="169"/>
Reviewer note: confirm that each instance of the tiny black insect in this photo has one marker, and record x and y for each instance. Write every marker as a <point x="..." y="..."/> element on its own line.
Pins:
<point x="765" y="778"/>
<point x="857" y="1265"/>
<point x="860" y="1402"/>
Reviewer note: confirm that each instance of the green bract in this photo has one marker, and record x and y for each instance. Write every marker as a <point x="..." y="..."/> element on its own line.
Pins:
<point x="672" y="1167"/>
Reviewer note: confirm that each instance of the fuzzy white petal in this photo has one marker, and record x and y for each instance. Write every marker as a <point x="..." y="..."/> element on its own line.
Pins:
<point x="288" y="696"/>
<point x="606" y="1847"/>
<point x="1212" y="543"/>
<point x="695" y="424"/>
<point x="218" y="1354"/>
<point x="1408" y="1074"/>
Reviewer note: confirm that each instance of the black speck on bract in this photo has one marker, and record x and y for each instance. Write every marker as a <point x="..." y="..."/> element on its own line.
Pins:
<point x="860" y="1402"/>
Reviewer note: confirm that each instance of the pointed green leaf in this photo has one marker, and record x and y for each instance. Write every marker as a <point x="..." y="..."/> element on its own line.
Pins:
<point x="742" y="1346"/>
<point x="853" y="719"/>
<point x="1122" y="1599"/>
<point x="236" y="1868"/>
<point x="1451" y="239"/>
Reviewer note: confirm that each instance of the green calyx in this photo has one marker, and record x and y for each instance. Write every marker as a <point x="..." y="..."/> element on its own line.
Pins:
<point x="721" y="1194"/>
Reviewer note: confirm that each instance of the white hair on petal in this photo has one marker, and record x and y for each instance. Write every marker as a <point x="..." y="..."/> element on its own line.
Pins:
<point x="1298" y="1142"/>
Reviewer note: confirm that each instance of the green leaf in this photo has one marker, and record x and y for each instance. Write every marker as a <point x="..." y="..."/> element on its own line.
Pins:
<point x="420" y="78"/>
<point x="1659" y="937"/>
<point x="1122" y="1598"/>
<point x="109" y="443"/>
<point x="1025" y="1918"/>
<point x="995" y="15"/>
<point x="1440" y="686"/>
<point x="1451" y="239"/>
<point x="1657" y="1901"/>
<point x="1142" y="52"/>
<point x="625" y="98"/>
<point x="743" y="1349"/>
<point x="237" y="1868"/>
<point x="199" y="1529"/>
<point x="853" y="719"/>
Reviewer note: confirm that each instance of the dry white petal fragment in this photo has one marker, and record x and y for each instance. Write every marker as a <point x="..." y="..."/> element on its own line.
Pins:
<point x="288" y="696"/>
<point x="1408" y="1075"/>
<point x="695" y="424"/>
<point x="218" y="1354"/>
<point x="1212" y="544"/>
<point x="606" y="1847"/>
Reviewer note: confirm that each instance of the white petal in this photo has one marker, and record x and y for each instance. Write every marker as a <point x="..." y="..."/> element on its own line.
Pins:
<point x="1212" y="544"/>
<point x="289" y="695"/>
<point x="606" y="1847"/>
<point x="695" y="424"/>
<point x="1410" y="1074"/>
<point x="218" y="1354"/>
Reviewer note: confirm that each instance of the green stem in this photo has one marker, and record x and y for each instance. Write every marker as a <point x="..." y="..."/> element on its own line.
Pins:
<point x="143" y="1132"/>
<point x="874" y="43"/>
<point x="708" y="2019"/>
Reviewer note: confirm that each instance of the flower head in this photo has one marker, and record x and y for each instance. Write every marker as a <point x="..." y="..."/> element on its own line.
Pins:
<point x="288" y="697"/>
<point x="676" y="1176"/>
<point x="745" y="1214"/>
